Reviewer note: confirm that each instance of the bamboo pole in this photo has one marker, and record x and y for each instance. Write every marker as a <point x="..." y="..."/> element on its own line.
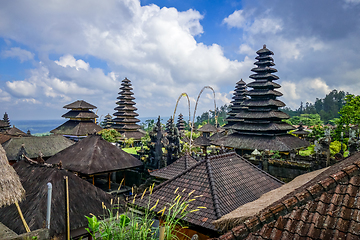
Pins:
<point x="162" y="233"/>
<point x="67" y="212"/>
<point x="22" y="217"/>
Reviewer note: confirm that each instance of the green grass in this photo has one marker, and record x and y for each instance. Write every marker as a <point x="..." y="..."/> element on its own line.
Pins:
<point x="131" y="150"/>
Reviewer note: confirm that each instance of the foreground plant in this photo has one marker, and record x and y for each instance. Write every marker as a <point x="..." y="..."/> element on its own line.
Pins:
<point x="141" y="226"/>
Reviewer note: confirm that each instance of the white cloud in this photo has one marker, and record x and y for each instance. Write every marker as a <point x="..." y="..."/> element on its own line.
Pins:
<point x="70" y="61"/>
<point x="16" y="52"/>
<point x="22" y="89"/>
<point x="4" y="96"/>
<point x="236" y="19"/>
<point x="305" y="89"/>
<point x="266" y="25"/>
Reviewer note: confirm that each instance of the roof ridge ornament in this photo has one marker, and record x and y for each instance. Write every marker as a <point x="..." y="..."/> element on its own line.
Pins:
<point x="264" y="46"/>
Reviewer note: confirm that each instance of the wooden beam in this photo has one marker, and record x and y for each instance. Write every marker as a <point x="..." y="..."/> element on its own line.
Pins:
<point x="67" y="212"/>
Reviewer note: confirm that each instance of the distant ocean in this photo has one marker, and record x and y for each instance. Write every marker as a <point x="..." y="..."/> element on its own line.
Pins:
<point x="37" y="126"/>
<point x="45" y="126"/>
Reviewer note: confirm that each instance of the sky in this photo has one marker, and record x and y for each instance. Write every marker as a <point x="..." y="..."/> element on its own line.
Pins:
<point x="53" y="52"/>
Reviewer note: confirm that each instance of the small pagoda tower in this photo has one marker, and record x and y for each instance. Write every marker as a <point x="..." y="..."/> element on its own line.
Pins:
<point x="180" y="123"/>
<point x="169" y="125"/>
<point x="125" y="121"/>
<point x="262" y="126"/>
<point x="107" y="121"/>
<point x="236" y="107"/>
<point x="5" y="123"/>
<point x="81" y="121"/>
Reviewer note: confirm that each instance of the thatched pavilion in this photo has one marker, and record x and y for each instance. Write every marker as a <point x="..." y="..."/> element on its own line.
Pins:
<point x="11" y="190"/>
<point x="261" y="124"/>
<point x="85" y="199"/>
<point x="33" y="146"/>
<point x="93" y="156"/>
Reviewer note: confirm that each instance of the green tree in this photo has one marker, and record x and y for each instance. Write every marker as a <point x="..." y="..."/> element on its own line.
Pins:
<point x="306" y="119"/>
<point x="349" y="114"/>
<point x="110" y="135"/>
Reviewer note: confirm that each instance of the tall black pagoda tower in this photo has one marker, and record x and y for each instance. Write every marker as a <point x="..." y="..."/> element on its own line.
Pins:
<point x="238" y="98"/>
<point x="262" y="126"/>
<point x="125" y="120"/>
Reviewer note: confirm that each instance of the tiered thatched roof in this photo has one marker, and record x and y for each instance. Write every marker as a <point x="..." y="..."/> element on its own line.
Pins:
<point x="82" y="120"/>
<point x="125" y="121"/>
<point x="180" y="123"/>
<point x="11" y="190"/>
<point x="85" y="199"/>
<point x="207" y="128"/>
<point x="94" y="155"/>
<point x="224" y="181"/>
<point x="236" y="107"/>
<point x="261" y="120"/>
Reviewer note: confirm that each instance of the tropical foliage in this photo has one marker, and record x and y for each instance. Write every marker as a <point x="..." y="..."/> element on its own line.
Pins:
<point x="110" y="135"/>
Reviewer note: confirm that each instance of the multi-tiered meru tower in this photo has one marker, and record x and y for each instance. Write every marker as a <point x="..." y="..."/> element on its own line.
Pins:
<point x="261" y="124"/>
<point x="238" y="98"/>
<point x="125" y="121"/>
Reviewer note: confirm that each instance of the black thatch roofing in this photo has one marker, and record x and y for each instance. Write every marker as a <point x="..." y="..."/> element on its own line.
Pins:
<point x="79" y="104"/>
<point x="47" y="145"/>
<point x="284" y="143"/>
<point x="217" y="135"/>
<point x="180" y="123"/>
<point x="77" y="128"/>
<point x="271" y="126"/>
<point x="3" y="124"/>
<point x="94" y="155"/>
<point x="84" y="199"/>
<point x="80" y="114"/>
<point x="225" y="182"/>
<point x="175" y="168"/>
<point x="13" y="131"/>
<point x="207" y="128"/>
<point x="202" y="141"/>
<point x="137" y="135"/>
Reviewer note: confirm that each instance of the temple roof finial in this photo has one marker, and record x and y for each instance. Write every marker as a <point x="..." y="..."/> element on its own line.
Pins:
<point x="264" y="46"/>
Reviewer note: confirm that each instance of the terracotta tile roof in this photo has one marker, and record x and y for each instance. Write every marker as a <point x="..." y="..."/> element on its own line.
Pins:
<point x="175" y="168"/>
<point x="327" y="207"/>
<point x="225" y="181"/>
